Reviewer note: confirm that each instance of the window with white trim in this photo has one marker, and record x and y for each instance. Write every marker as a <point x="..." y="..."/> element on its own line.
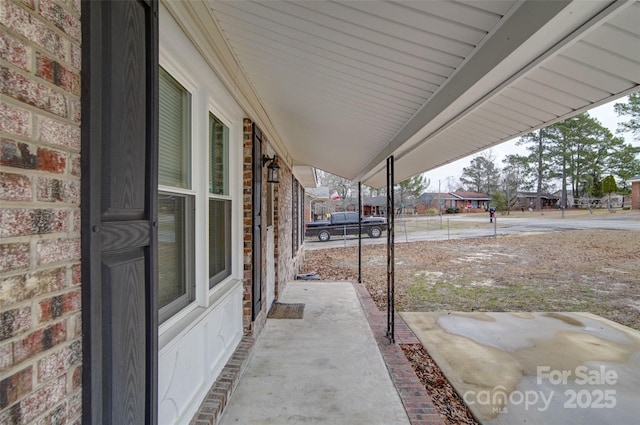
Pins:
<point x="194" y="171"/>
<point x="176" y="198"/>
<point x="219" y="202"/>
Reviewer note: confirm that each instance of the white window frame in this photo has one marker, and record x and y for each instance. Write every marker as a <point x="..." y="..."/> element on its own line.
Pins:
<point x="170" y="310"/>
<point x="203" y="102"/>
<point x="213" y="110"/>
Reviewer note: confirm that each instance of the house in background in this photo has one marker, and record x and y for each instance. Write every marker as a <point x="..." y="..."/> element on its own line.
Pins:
<point x="471" y="201"/>
<point x="570" y="198"/>
<point x="464" y="201"/>
<point x="530" y="199"/>
<point x="320" y="203"/>
<point x="434" y="200"/>
<point x="614" y="200"/>
<point x="142" y="243"/>
<point x="374" y="206"/>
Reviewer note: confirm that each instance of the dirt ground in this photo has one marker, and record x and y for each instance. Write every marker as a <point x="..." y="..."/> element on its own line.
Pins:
<point x="596" y="271"/>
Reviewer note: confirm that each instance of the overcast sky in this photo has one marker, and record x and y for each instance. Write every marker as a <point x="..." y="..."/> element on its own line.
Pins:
<point x="605" y="114"/>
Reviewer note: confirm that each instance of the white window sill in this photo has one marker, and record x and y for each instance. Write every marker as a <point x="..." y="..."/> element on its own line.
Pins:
<point x="171" y="330"/>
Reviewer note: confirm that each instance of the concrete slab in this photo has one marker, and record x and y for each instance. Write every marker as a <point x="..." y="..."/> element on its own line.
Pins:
<point x="323" y="369"/>
<point x="536" y="368"/>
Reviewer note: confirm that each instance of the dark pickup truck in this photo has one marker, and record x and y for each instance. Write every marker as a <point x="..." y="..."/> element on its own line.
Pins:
<point x="345" y="223"/>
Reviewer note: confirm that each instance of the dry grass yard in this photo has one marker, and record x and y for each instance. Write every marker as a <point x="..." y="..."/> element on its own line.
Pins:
<point x="597" y="271"/>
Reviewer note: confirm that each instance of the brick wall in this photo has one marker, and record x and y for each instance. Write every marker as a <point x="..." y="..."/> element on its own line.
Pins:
<point x="252" y="327"/>
<point x="635" y="195"/>
<point x="40" y="328"/>
<point x="287" y="264"/>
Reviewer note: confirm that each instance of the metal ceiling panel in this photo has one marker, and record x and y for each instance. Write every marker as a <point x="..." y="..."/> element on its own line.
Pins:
<point x="348" y="83"/>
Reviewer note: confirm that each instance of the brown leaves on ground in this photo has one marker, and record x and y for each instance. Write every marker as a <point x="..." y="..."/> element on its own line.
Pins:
<point x="447" y="401"/>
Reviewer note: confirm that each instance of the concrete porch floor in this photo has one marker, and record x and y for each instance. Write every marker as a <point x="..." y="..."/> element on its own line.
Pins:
<point x="325" y="368"/>
<point x="536" y="368"/>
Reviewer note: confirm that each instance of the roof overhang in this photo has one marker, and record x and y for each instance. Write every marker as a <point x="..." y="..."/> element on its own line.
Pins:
<point x="341" y="86"/>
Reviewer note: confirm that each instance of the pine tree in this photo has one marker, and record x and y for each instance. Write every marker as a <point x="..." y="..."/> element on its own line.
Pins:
<point x="632" y="110"/>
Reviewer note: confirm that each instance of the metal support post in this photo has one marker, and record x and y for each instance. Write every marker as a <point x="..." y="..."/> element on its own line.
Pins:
<point x="390" y="252"/>
<point x="359" y="232"/>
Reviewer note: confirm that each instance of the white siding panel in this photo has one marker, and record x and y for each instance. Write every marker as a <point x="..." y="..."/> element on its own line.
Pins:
<point x="611" y="63"/>
<point x="372" y="67"/>
<point x="446" y="35"/>
<point x="589" y="75"/>
<point x="515" y="118"/>
<point x="536" y="101"/>
<point x="492" y="120"/>
<point x="296" y="79"/>
<point x="552" y="94"/>
<point x="323" y="90"/>
<point x="564" y="83"/>
<point x="242" y="19"/>
<point x="499" y="7"/>
<point x="474" y="17"/>
<point x="389" y="33"/>
<point x="462" y="132"/>
<point x="485" y="128"/>
<point x="372" y="42"/>
<point x="522" y="108"/>
<point x="333" y="72"/>
<point x="612" y="39"/>
<point x="629" y="19"/>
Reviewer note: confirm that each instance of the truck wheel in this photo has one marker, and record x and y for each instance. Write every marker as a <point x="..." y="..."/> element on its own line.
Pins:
<point x="324" y="235"/>
<point x="375" y="232"/>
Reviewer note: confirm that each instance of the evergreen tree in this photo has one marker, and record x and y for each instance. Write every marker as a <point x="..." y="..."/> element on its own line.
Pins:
<point x="625" y="164"/>
<point x="580" y="152"/>
<point x="411" y="188"/>
<point x="539" y="159"/>
<point x="632" y="110"/>
<point x="481" y="175"/>
<point x="609" y="186"/>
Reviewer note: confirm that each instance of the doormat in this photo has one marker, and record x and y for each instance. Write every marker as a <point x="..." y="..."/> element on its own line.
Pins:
<point x="286" y="311"/>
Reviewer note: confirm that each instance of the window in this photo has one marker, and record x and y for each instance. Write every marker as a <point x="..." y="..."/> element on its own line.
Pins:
<point x="175" y="198"/>
<point x="219" y="202"/>
<point x="194" y="196"/>
<point x="295" y="205"/>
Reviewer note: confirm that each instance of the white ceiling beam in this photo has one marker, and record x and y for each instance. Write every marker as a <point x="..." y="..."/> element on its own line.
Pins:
<point x="516" y="29"/>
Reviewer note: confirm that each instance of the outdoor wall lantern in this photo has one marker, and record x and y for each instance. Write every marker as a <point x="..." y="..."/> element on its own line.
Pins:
<point x="273" y="170"/>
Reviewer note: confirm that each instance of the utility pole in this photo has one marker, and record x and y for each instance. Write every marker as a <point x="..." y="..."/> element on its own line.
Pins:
<point x="439" y="205"/>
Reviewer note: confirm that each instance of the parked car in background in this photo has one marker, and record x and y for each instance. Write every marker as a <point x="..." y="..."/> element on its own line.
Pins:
<point x="345" y="223"/>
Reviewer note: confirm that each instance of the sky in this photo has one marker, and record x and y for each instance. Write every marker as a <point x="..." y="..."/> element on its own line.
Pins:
<point x="450" y="172"/>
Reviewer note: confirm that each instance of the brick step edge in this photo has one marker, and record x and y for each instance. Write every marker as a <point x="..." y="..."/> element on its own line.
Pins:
<point x="417" y="403"/>
<point x="211" y="408"/>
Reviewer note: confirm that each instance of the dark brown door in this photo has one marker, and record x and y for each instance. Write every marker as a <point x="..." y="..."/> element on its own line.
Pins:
<point x="119" y="181"/>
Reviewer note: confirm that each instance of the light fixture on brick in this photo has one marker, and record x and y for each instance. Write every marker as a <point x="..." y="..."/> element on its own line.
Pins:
<point x="273" y="169"/>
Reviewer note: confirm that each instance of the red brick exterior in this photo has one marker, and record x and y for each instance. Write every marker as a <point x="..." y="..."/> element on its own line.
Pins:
<point x="287" y="263"/>
<point x="40" y="326"/>
<point x="635" y="195"/>
<point x="251" y="327"/>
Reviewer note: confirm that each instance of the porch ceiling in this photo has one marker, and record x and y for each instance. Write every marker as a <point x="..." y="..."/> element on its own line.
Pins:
<point x="346" y="84"/>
